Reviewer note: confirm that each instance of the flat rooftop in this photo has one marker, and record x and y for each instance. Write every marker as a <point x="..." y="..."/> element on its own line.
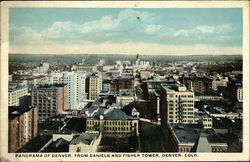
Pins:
<point x="15" y="111"/>
<point x="189" y="133"/>
<point x="51" y="86"/>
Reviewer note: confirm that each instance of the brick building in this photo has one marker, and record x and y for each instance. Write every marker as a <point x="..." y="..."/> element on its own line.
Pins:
<point x="23" y="126"/>
<point x="50" y="100"/>
<point x="198" y="84"/>
<point x="123" y="82"/>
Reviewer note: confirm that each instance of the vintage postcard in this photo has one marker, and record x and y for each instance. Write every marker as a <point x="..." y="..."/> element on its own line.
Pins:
<point x="124" y="81"/>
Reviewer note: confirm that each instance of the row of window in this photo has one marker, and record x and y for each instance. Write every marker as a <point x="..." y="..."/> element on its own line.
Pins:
<point x="182" y="96"/>
<point x="110" y="122"/>
<point x="183" y="105"/>
<point x="118" y="128"/>
<point x="185" y="121"/>
<point x="184" y="109"/>
<point x="170" y="116"/>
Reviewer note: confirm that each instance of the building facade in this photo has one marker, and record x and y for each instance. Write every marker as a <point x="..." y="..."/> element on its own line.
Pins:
<point x="113" y="123"/>
<point x="23" y="126"/>
<point x="177" y="103"/>
<point x="198" y="84"/>
<point x="125" y="97"/>
<point x="50" y="100"/>
<point x="123" y="82"/>
<point x="183" y="137"/>
<point x="86" y="142"/>
<point x="17" y="96"/>
<point x="93" y="86"/>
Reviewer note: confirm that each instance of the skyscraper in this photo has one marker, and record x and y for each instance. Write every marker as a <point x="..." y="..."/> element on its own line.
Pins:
<point x="50" y="100"/>
<point x="178" y="103"/>
<point x="93" y="86"/>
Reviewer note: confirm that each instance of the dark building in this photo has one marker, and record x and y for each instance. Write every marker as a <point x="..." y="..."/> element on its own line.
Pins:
<point x="198" y="84"/>
<point x="50" y="100"/>
<point x="124" y="82"/>
<point x="183" y="138"/>
<point x="234" y="91"/>
<point x="23" y="126"/>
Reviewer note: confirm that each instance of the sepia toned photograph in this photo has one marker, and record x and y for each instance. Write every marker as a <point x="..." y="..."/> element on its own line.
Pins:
<point x="96" y="82"/>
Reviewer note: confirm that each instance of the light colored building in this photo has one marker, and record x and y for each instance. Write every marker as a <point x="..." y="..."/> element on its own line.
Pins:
<point x="106" y="85"/>
<point x="240" y="94"/>
<point x="177" y="103"/>
<point x="70" y="78"/>
<point x="219" y="83"/>
<point x="86" y="68"/>
<point x="125" y="97"/>
<point x="93" y="86"/>
<point x="46" y="65"/>
<point x="17" y="96"/>
<point x="204" y="118"/>
<point x="76" y="82"/>
<point x="86" y="142"/>
<point x="113" y="123"/>
<point x="209" y="96"/>
<point x="56" y="77"/>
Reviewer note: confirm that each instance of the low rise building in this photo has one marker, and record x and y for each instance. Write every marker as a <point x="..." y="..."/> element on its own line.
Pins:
<point x="113" y="123"/>
<point x="204" y="119"/>
<point x="86" y="142"/>
<point x="210" y="95"/>
<point x="184" y="136"/>
<point x="125" y="97"/>
<point x="222" y="82"/>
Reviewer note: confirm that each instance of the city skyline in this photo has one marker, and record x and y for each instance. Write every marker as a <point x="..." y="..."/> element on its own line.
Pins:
<point x="187" y="31"/>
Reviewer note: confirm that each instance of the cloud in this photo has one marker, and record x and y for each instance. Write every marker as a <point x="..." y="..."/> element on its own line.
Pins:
<point x="104" y="23"/>
<point x="224" y="28"/>
<point x="152" y="28"/>
<point x="121" y="31"/>
<point x="65" y="31"/>
<point x="24" y="35"/>
<point x="181" y="32"/>
<point x="133" y="14"/>
<point x="204" y="29"/>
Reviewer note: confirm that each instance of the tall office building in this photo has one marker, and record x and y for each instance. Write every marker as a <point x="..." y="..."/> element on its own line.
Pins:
<point x="81" y="86"/>
<point x="69" y="78"/>
<point x="23" y="126"/>
<point x="76" y="82"/>
<point x="177" y="103"/>
<point x="93" y="86"/>
<point x="50" y="100"/>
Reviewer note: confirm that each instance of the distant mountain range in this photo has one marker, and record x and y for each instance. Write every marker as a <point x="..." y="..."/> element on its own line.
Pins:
<point x="111" y="58"/>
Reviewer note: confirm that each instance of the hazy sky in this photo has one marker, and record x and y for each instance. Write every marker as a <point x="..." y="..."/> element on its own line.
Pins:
<point x="125" y="31"/>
